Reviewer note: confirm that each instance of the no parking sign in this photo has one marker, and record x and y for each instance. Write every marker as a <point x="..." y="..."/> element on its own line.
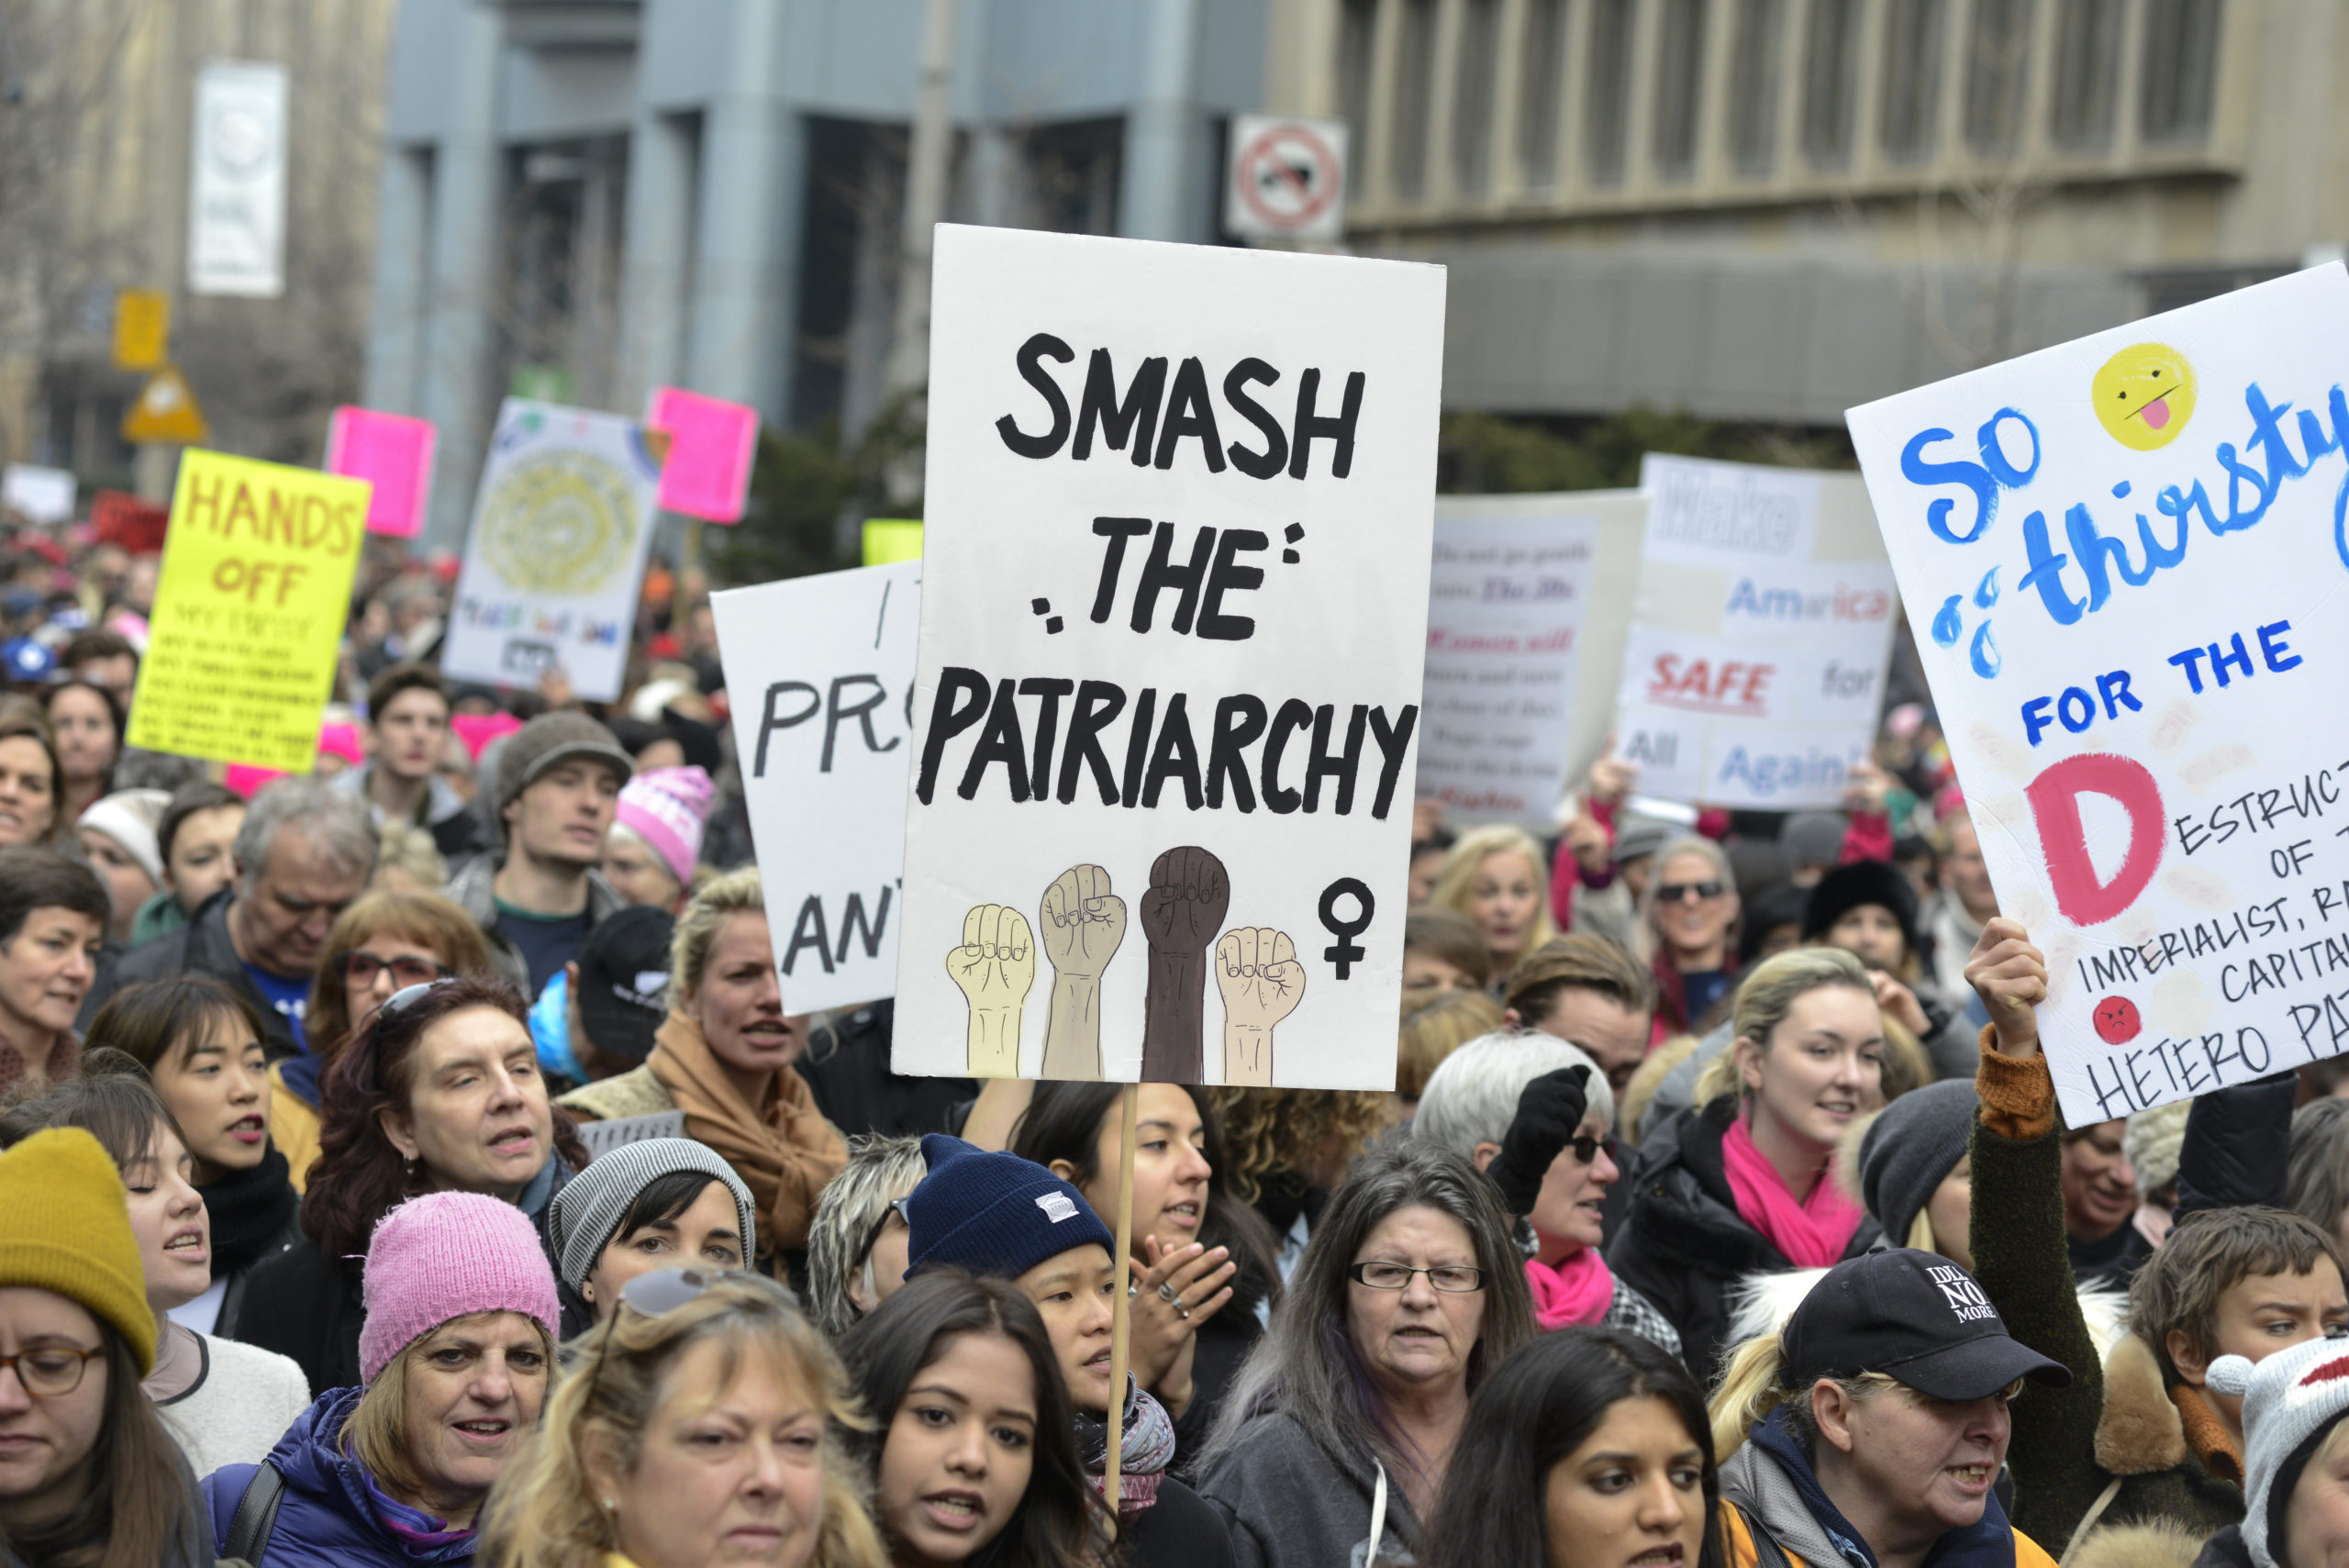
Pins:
<point x="1286" y="178"/>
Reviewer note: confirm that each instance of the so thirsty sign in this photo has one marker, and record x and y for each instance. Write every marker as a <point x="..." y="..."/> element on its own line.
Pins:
<point x="2128" y="561"/>
<point x="1175" y="586"/>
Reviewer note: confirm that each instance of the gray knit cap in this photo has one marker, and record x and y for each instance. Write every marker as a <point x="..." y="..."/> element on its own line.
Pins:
<point x="1911" y="1149"/>
<point x="587" y="1212"/>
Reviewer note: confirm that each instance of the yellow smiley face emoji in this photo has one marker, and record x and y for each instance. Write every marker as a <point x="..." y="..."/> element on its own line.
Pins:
<point x="2144" y="395"/>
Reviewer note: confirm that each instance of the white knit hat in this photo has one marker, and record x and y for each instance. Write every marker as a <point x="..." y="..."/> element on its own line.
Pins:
<point x="129" y="816"/>
<point x="2290" y="1401"/>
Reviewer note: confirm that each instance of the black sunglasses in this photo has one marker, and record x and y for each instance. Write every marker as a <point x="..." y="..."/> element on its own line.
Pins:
<point x="1588" y="1148"/>
<point x="1674" y="892"/>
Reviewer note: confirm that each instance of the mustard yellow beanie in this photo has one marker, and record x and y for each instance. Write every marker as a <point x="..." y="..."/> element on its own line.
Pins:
<point x="65" y="1226"/>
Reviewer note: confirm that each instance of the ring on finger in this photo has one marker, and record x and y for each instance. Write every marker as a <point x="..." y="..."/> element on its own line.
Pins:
<point x="1183" y="1312"/>
<point x="1169" y="1295"/>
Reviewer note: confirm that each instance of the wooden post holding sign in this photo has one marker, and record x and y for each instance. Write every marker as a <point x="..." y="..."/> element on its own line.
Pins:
<point x="1177" y="527"/>
<point x="1121" y="1314"/>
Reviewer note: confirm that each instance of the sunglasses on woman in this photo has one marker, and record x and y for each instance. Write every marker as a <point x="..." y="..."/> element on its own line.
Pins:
<point x="361" y="968"/>
<point x="1673" y="891"/>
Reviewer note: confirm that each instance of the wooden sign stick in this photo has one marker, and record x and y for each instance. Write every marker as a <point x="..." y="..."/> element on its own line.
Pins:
<point x="1120" y="1319"/>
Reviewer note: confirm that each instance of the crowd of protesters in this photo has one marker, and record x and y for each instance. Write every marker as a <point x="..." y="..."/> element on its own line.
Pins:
<point x="418" y="1161"/>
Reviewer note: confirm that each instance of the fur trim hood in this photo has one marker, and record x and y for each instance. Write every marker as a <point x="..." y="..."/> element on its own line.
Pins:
<point x="2163" y="1545"/>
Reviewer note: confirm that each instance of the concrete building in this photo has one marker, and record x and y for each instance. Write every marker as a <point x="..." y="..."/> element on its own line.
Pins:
<point x="598" y="196"/>
<point x="1770" y="210"/>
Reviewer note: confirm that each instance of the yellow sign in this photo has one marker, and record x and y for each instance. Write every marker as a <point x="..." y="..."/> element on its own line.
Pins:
<point x="166" y="411"/>
<point x="142" y="329"/>
<point x="258" y="562"/>
<point x="890" y="540"/>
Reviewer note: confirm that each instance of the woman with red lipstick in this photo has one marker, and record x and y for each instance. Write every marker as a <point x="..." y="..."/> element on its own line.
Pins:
<point x="200" y="1044"/>
<point x="438" y="1092"/>
<point x="1202" y="1260"/>
<point x="1589" y="1447"/>
<point x="225" y="1402"/>
<point x="1878" y="1416"/>
<point x="973" y="1450"/>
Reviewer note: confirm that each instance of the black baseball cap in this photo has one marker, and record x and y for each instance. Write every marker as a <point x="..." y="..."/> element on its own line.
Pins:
<point x="1915" y="1316"/>
<point x="623" y="980"/>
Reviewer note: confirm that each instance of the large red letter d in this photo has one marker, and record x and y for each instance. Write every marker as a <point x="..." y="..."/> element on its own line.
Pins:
<point x="2055" y="798"/>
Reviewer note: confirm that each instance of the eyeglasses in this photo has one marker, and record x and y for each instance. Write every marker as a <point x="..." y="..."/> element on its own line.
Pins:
<point x="1588" y="1148"/>
<point x="1673" y="891"/>
<point x="1454" y="1279"/>
<point x="51" y="1372"/>
<point x="893" y="1209"/>
<point x="361" y="968"/>
<point x="408" y="996"/>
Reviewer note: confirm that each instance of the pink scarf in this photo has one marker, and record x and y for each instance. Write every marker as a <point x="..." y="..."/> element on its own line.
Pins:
<point x="1578" y="1291"/>
<point x="1812" y="1235"/>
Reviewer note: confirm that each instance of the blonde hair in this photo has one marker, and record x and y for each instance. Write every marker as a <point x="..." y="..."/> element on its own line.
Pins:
<point x="1435" y="1027"/>
<point x="1768" y="993"/>
<point x="1460" y="867"/>
<point x="376" y="1429"/>
<point x="1753" y="1385"/>
<point x="544" y="1513"/>
<point x="717" y="901"/>
<point x="1713" y="855"/>
<point x="406" y="849"/>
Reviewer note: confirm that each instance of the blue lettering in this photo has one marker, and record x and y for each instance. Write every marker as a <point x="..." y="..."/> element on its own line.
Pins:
<point x="2233" y="653"/>
<point x="2064" y="709"/>
<point x="2096" y="552"/>
<point x="2046" y="573"/>
<point x="2272" y="647"/>
<point x="2114" y="689"/>
<point x="2034" y="718"/>
<point x="1972" y="476"/>
<point x="1994" y="456"/>
<point x="2190" y="661"/>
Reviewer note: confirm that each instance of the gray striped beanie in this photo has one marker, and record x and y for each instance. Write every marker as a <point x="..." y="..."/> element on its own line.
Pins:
<point x="588" y="1210"/>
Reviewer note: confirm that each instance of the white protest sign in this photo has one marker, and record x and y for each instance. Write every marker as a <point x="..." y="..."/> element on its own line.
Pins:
<point x="2126" y="559"/>
<point x="40" y="495"/>
<point x="1177" y="537"/>
<point x="236" y="199"/>
<point x="561" y="525"/>
<point x="821" y="673"/>
<point x="1528" y="606"/>
<point x="1757" y="662"/>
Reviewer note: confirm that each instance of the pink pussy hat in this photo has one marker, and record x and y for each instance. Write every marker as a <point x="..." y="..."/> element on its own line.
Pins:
<point x="447" y="1255"/>
<point x="668" y="808"/>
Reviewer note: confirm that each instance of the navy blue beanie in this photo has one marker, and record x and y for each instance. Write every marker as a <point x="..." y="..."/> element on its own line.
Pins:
<point x="993" y="1214"/>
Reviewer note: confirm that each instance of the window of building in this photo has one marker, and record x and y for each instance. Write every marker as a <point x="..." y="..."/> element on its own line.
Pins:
<point x="1357" y="33"/>
<point x="1471" y="96"/>
<point x="1912" y="75"/>
<point x="1406" y="146"/>
<point x="1996" y="59"/>
<point x="1679" y="85"/>
<point x="1606" y="92"/>
<point x="1830" y="81"/>
<point x="2088" y="70"/>
<point x="2181" y="69"/>
<point x="1753" y="86"/>
<point x="1540" y="89"/>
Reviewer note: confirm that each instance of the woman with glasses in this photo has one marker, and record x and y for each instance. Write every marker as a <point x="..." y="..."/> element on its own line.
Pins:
<point x="200" y="1045"/>
<point x="1690" y="912"/>
<point x="439" y="1091"/>
<point x="1744" y="1183"/>
<point x="457" y="1353"/>
<point x="973" y="1446"/>
<point x="1537" y="1117"/>
<point x="1333" y="1445"/>
<point x="659" y="1203"/>
<point x="382" y="943"/>
<point x="856" y="1243"/>
<point x="88" y="1473"/>
<point x="705" y="1423"/>
<point x="1494" y="877"/>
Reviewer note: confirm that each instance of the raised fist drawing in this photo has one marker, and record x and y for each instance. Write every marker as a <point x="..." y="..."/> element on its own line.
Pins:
<point x="995" y="967"/>
<point x="1189" y="894"/>
<point x="1262" y="982"/>
<point x="1083" y="924"/>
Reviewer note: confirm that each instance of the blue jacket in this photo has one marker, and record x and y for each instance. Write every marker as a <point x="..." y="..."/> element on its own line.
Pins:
<point x="328" y="1518"/>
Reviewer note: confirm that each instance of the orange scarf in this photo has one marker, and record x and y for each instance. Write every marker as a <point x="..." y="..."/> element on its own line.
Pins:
<point x="784" y="1152"/>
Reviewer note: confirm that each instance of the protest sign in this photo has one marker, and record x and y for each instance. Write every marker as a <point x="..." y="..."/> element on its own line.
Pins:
<point x="561" y="525"/>
<point x="820" y="671"/>
<point x="1528" y="607"/>
<point x="1175" y="564"/>
<point x="1755" y="666"/>
<point x="393" y="453"/>
<point x="706" y="473"/>
<point x="890" y="539"/>
<point x="38" y="494"/>
<point x="249" y="604"/>
<point x="119" y="517"/>
<point x="2126" y="558"/>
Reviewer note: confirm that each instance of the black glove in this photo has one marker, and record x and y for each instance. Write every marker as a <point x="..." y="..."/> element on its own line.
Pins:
<point x="1549" y="1112"/>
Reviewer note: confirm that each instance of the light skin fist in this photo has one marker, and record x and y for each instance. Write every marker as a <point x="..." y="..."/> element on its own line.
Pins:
<point x="1084" y="921"/>
<point x="996" y="965"/>
<point x="1256" y="970"/>
<point x="2011" y="976"/>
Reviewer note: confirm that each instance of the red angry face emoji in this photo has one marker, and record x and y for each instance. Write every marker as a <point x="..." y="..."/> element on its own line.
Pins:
<point x="2116" y="1022"/>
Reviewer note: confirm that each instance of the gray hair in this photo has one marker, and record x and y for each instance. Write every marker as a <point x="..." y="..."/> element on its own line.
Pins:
<point x="879" y="1171"/>
<point x="1306" y="1367"/>
<point x="336" y="821"/>
<point x="2316" y="1175"/>
<point x="1471" y="1098"/>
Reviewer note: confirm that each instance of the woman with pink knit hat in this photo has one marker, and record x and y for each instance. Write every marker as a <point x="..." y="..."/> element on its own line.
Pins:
<point x="655" y="841"/>
<point x="457" y="1351"/>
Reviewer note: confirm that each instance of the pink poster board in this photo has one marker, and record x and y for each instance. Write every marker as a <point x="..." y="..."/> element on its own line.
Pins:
<point x="393" y="453"/>
<point x="708" y="474"/>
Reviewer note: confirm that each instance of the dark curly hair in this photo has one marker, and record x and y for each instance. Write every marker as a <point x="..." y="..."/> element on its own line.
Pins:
<point x="359" y="1175"/>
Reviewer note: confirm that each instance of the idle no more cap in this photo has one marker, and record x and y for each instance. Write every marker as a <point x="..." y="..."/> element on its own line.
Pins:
<point x="1915" y="1316"/>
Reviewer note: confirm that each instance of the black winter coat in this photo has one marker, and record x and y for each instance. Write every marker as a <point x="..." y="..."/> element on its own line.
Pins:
<point x="200" y="947"/>
<point x="1684" y="1245"/>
